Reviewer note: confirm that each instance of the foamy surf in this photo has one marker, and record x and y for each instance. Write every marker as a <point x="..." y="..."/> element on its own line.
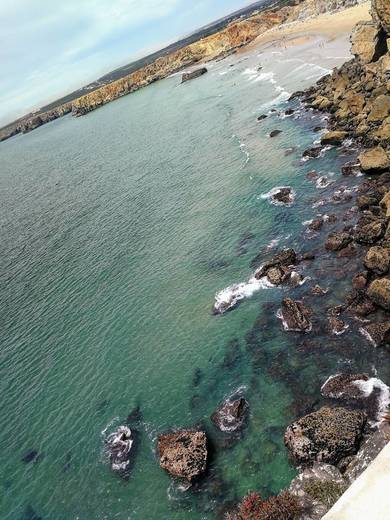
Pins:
<point x="230" y="297"/>
<point x="270" y="196"/>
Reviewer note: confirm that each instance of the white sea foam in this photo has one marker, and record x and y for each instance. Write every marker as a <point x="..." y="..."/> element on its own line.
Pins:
<point x="266" y="76"/>
<point x="323" y="182"/>
<point x="367" y="387"/>
<point x="232" y="295"/>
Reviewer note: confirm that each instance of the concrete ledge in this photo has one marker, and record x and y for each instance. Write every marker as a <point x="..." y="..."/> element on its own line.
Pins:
<point x="368" y="498"/>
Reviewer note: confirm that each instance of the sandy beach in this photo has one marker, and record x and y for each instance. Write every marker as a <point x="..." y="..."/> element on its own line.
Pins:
<point x="329" y="26"/>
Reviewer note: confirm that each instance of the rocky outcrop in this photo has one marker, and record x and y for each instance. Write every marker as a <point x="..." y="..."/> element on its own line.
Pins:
<point x="230" y="416"/>
<point x="278" y="269"/>
<point x="334" y="138"/>
<point x="327" y="435"/>
<point x="378" y="259"/>
<point x="377" y="333"/>
<point x="379" y="292"/>
<point x="337" y="241"/>
<point x="183" y="453"/>
<point x="193" y="74"/>
<point x="374" y="160"/>
<point x="295" y="316"/>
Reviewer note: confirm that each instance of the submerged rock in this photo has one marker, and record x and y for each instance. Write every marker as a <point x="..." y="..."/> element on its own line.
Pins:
<point x="183" y="453"/>
<point x="312" y="153"/>
<point x="118" y="446"/>
<point x="31" y="456"/>
<point x="327" y="435"/>
<point x="230" y="416"/>
<point x="342" y="386"/>
<point x="274" y="133"/>
<point x="295" y="316"/>
<point x="194" y="74"/>
<point x="261" y="117"/>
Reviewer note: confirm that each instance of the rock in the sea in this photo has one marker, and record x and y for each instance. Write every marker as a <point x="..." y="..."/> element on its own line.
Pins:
<point x="274" y="133"/>
<point x="335" y="137"/>
<point x="261" y="117"/>
<point x="327" y="435"/>
<point x="350" y="169"/>
<point x="369" y="230"/>
<point x="284" y="196"/>
<point x="283" y="258"/>
<point x="194" y="74"/>
<point x="377" y="333"/>
<point x="278" y="274"/>
<point x="378" y="259"/>
<point x="342" y="386"/>
<point x="312" y="153"/>
<point x="295" y="316"/>
<point x="183" y="453"/>
<point x="317" y="290"/>
<point x="337" y="241"/>
<point x="337" y="326"/>
<point x="379" y="292"/>
<point x="374" y="160"/>
<point x="118" y="446"/>
<point x="230" y="416"/>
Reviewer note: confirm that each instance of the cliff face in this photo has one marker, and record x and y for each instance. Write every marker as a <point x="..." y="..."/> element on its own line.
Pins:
<point x="233" y="36"/>
<point x="358" y="94"/>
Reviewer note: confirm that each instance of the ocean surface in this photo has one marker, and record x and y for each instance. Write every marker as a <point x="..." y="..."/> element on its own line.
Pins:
<point x="117" y="231"/>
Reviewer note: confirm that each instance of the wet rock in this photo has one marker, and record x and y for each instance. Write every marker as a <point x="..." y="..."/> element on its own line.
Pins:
<point x="262" y="117"/>
<point x="289" y="112"/>
<point x="374" y="160"/>
<point x="350" y="169"/>
<point x="194" y="74"/>
<point x="337" y="241"/>
<point x="347" y="252"/>
<point x="295" y="316"/>
<point x="274" y="133"/>
<point x="316" y="224"/>
<point x="359" y="303"/>
<point x="312" y="153"/>
<point x="378" y="259"/>
<point x="283" y="258"/>
<point x="118" y="447"/>
<point x="284" y="196"/>
<point x="30" y="514"/>
<point x="379" y="292"/>
<point x="230" y="416"/>
<point x="277" y="275"/>
<point x="359" y="281"/>
<point x="334" y="138"/>
<point x="369" y="231"/>
<point x="337" y="326"/>
<point x="327" y="435"/>
<point x="377" y="333"/>
<point x="342" y="386"/>
<point x="309" y="255"/>
<point x="183" y="453"/>
<point x="318" y="290"/>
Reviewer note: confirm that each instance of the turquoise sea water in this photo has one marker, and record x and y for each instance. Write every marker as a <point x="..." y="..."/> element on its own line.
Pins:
<point x="117" y="230"/>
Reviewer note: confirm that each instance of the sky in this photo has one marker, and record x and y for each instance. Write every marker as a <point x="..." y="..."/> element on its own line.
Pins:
<point x="49" y="48"/>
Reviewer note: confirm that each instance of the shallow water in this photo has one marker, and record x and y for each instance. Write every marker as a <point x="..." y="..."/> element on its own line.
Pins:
<point x="118" y="228"/>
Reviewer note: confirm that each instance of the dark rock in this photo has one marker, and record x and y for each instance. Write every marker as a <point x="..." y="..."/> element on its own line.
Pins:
<point x="327" y="435"/>
<point x="283" y="196"/>
<point x="359" y="303"/>
<point x="318" y="291"/>
<point x="274" y="133"/>
<point x="359" y="281"/>
<point x="350" y="169"/>
<point x="312" y="153"/>
<point x="183" y="453"/>
<point x="308" y="256"/>
<point x="369" y="230"/>
<point x="295" y="316"/>
<point x="337" y="241"/>
<point x="230" y="416"/>
<point x="289" y="112"/>
<point x="263" y="116"/>
<point x="283" y="258"/>
<point x="194" y="74"/>
<point x="337" y="326"/>
<point x="316" y="224"/>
